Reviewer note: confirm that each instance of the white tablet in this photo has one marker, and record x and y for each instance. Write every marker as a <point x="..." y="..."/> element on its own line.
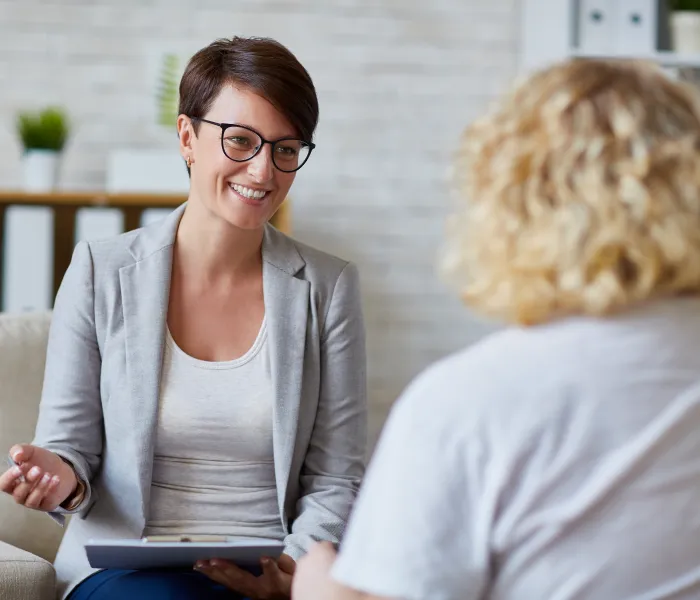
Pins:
<point x="181" y="552"/>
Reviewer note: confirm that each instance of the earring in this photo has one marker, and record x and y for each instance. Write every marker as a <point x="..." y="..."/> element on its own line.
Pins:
<point x="189" y="161"/>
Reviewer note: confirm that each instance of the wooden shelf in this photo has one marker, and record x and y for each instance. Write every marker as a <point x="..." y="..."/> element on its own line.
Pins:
<point x="664" y="58"/>
<point x="82" y="198"/>
<point x="66" y="204"/>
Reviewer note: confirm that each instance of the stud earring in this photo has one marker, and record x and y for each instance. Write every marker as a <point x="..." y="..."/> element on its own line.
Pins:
<point x="189" y="161"/>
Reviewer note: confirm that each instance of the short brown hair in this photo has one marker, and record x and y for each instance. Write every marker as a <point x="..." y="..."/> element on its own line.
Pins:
<point x="581" y="194"/>
<point x="261" y="65"/>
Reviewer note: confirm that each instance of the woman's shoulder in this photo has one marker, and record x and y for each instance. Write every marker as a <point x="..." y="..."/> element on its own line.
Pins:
<point x="318" y="266"/>
<point x="488" y="364"/>
<point x="115" y="248"/>
<point x="113" y="252"/>
<point x="103" y="255"/>
<point x="497" y="376"/>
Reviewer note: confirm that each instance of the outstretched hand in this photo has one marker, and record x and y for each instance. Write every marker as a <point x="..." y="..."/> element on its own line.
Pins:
<point x="41" y="479"/>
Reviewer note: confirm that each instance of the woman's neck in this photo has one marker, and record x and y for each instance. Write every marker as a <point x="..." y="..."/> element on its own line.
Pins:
<point x="212" y="250"/>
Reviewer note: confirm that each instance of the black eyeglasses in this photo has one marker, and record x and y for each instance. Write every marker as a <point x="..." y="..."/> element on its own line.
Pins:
<point x="241" y="143"/>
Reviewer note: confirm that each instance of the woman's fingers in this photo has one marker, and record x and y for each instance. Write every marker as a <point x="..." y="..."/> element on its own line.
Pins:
<point x="231" y="576"/>
<point x="30" y="486"/>
<point x="40" y="480"/>
<point x="35" y="474"/>
<point x="42" y="489"/>
<point x="22" y="452"/>
<point x="286" y="564"/>
<point x="21" y="492"/>
<point x="51" y="500"/>
<point x="31" y="479"/>
<point x="10" y="478"/>
<point x="279" y="583"/>
<point x="34" y="498"/>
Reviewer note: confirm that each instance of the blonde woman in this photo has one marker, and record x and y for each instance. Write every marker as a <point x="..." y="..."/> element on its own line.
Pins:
<point x="561" y="457"/>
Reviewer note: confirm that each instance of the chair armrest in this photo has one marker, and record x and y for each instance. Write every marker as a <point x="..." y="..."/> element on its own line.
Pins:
<point x="24" y="576"/>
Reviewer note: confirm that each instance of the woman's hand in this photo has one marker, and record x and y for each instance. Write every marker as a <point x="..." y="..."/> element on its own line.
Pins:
<point x="41" y="480"/>
<point x="313" y="580"/>
<point x="275" y="583"/>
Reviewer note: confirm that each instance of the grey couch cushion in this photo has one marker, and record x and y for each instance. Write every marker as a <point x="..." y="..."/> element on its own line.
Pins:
<point x="23" y="341"/>
<point x="24" y="576"/>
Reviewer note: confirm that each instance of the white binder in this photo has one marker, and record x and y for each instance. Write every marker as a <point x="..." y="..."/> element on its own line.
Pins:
<point x="636" y="26"/>
<point x="596" y="22"/>
<point x="617" y="27"/>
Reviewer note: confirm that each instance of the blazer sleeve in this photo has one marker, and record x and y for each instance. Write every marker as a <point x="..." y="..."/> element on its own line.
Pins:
<point x="70" y="413"/>
<point x="335" y="459"/>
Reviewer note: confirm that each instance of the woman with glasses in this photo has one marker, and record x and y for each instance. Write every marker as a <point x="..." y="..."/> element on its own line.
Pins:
<point x="206" y="374"/>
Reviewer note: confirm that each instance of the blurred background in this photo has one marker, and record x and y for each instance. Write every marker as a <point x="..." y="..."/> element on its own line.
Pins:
<point x="398" y="80"/>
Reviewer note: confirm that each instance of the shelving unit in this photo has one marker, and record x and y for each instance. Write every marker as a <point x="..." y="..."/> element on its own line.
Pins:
<point x="64" y="206"/>
<point x="551" y="30"/>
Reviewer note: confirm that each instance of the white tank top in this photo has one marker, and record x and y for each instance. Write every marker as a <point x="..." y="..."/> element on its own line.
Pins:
<point x="213" y="469"/>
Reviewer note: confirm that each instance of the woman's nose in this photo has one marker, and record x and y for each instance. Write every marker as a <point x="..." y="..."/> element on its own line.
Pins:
<point x="261" y="167"/>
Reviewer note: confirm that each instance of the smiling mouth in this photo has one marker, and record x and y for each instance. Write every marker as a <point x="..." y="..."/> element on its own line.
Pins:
<point x="249" y="194"/>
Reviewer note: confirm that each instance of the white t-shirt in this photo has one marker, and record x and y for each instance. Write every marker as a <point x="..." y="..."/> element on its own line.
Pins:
<point x="213" y="465"/>
<point x="558" y="462"/>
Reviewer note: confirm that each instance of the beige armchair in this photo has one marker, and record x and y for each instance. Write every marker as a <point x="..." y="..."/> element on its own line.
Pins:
<point x="28" y="539"/>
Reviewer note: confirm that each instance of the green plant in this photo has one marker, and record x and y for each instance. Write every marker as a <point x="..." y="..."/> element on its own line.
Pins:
<point x="686" y="5"/>
<point x="43" y="130"/>
<point x="168" y="93"/>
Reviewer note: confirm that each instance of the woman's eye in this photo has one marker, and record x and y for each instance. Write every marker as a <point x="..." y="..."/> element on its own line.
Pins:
<point x="238" y="141"/>
<point x="287" y="150"/>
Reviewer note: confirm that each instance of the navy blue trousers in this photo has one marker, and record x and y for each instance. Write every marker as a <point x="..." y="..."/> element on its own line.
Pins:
<point x="175" y="584"/>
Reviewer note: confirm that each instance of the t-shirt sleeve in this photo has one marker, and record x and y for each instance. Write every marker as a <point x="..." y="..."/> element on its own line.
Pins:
<point x="419" y="530"/>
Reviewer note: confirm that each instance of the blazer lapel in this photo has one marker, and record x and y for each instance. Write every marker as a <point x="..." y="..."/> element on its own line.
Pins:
<point x="286" y="306"/>
<point x="145" y="288"/>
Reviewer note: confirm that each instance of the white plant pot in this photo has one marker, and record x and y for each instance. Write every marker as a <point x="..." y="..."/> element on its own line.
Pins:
<point x="40" y="170"/>
<point x="685" y="32"/>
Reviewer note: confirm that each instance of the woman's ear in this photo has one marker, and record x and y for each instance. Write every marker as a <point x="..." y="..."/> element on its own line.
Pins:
<point x="185" y="132"/>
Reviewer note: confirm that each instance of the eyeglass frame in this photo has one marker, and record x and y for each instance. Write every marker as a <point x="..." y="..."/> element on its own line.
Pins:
<point x="273" y="143"/>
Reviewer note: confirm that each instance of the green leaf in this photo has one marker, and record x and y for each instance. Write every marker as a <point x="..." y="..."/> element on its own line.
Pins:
<point x="168" y="91"/>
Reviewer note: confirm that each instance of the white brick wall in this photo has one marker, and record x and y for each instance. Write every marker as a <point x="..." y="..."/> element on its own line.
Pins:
<point x="397" y="80"/>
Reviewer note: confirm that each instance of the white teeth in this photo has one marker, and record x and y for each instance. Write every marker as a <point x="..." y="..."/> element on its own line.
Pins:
<point x="247" y="192"/>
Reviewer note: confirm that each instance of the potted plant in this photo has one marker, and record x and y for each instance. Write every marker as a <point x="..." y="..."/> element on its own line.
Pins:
<point x="685" y="26"/>
<point x="43" y="135"/>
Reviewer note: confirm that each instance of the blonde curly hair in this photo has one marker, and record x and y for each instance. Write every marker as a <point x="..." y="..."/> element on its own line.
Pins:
<point x="580" y="194"/>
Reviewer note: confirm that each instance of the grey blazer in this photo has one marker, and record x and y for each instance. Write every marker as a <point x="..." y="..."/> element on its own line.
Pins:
<point x="100" y="398"/>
